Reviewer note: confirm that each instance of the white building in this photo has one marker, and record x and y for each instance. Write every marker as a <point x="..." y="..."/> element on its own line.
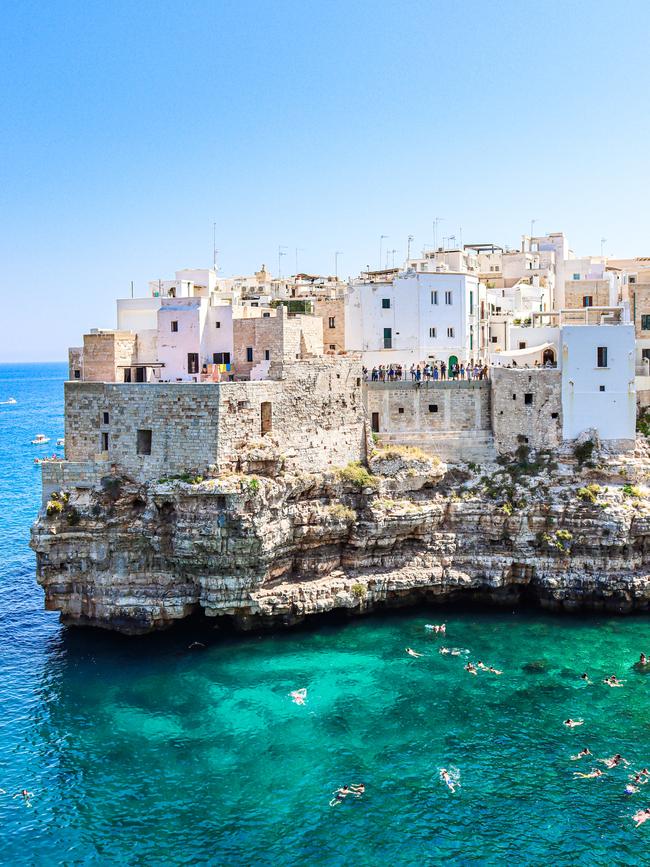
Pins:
<point x="412" y="316"/>
<point x="594" y="349"/>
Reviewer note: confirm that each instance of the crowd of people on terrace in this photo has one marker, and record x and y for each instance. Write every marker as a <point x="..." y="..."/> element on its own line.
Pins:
<point x="428" y="372"/>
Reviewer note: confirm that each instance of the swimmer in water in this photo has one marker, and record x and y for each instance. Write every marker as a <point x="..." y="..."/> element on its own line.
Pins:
<point x="482" y="666"/>
<point x="25" y="795"/>
<point x="444" y="650"/>
<point x="612" y="680"/>
<point x="585" y="677"/>
<point x="299" y="696"/>
<point x="412" y="652"/>
<point x="358" y="789"/>
<point x="572" y="723"/>
<point x="643" y="660"/>
<point x="495" y="670"/>
<point x="447" y="780"/>
<point x="455" y="652"/>
<point x="339" y="795"/>
<point x="592" y="776"/>
<point x="630" y="789"/>
<point x="641" y="816"/>
<point x="581" y="754"/>
<point x="615" y="761"/>
<point x="470" y="668"/>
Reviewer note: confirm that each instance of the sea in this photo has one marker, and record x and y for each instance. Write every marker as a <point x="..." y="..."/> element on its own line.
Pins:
<point x="144" y="751"/>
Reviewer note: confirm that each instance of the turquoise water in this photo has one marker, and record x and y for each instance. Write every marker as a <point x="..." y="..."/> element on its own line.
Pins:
<point x="140" y="751"/>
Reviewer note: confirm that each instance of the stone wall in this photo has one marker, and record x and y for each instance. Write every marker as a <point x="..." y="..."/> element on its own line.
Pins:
<point x="75" y="362"/>
<point x="640" y="299"/>
<point x="526" y="408"/>
<point x="448" y="419"/>
<point x="105" y="352"/>
<point x="575" y="290"/>
<point x="314" y="412"/>
<point x="327" y="309"/>
<point x="277" y="337"/>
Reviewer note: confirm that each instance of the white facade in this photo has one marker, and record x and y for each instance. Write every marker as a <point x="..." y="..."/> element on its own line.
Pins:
<point x="598" y="390"/>
<point x="416" y="316"/>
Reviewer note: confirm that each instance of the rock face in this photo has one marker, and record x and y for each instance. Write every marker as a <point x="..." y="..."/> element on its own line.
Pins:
<point x="266" y="551"/>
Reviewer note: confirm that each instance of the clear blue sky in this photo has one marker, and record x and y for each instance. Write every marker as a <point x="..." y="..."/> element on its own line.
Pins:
<point x="127" y="128"/>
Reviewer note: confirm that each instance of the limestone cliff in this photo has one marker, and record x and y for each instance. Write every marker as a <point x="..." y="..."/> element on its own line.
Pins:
<point x="271" y="550"/>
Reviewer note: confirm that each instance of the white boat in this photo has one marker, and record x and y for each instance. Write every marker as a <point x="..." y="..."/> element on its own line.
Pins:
<point x="9" y="402"/>
<point x="60" y="441"/>
<point x="40" y="440"/>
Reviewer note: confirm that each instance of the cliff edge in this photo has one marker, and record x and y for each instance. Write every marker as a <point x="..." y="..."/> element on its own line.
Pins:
<point x="570" y="532"/>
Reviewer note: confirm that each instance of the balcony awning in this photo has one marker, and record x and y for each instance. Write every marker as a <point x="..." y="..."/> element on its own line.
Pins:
<point x="502" y="358"/>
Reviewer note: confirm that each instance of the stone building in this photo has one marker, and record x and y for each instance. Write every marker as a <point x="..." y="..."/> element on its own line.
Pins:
<point x="332" y="312"/>
<point x="308" y="415"/>
<point x="526" y="408"/>
<point x="274" y="337"/>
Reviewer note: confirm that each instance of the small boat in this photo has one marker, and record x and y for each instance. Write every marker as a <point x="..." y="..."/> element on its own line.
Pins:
<point x="10" y="402"/>
<point x="60" y="441"/>
<point x="40" y="440"/>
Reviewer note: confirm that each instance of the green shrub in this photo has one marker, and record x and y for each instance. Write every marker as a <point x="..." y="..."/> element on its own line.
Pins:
<point x="358" y="590"/>
<point x="342" y="513"/>
<point x="643" y="424"/>
<point x="589" y="494"/>
<point x="72" y="516"/>
<point x="53" y="508"/>
<point x="507" y="509"/>
<point x="583" y="452"/>
<point x="632" y="491"/>
<point x="357" y="475"/>
<point x="253" y="484"/>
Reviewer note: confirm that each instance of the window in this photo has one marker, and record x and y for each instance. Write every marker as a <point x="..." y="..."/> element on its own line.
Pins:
<point x="400" y="410"/>
<point x="266" y="417"/>
<point x="249" y="353"/>
<point x="104" y="418"/>
<point x="631" y="279"/>
<point x="554" y="415"/>
<point x="332" y="345"/>
<point x="266" y="315"/>
<point x="221" y="358"/>
<point x="601" y="356"/>
<point x="104" y="441"/>
<point x="576" y="276"/>
<point x="587" y="300"/>
<point x="331" y="322"/>
<point x="433" y="407"/>
<point x="144" y="442"/>
<point x="385" y="303"/>
<point x="192" y="362"/>
<point x="267" y="355"/>
<point x="450" y="332"/>
<point x="217" y="324"/>
<point x="514" y="397"/>
<point x="127" y="374"/>
<point x="528" y="399"/>
<point x="494" y="338"/>
<point x="432" y="332"/>
<point x="141" y="372"/>
<point x="434" y="297"/>
<point x="174" y="324"/>
<point x="449" y="298"/>
<point x="601" y="388"/>
<point x="77" y="374"/>
<point x="645" y="354"/>
<point x="471" y="301"/>
<point x="522" y="344"/>
<point x="388" y="338"/>
<point x="645" y="322"/>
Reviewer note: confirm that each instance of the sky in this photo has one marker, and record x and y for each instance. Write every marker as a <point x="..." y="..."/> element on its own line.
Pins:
<point x="128" y="129"/>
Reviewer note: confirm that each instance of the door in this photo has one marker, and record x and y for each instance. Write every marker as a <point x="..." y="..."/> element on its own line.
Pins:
<point x="375" y="422"/>
<point x="141" y="374"/>
<point x="192" y="362"/>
